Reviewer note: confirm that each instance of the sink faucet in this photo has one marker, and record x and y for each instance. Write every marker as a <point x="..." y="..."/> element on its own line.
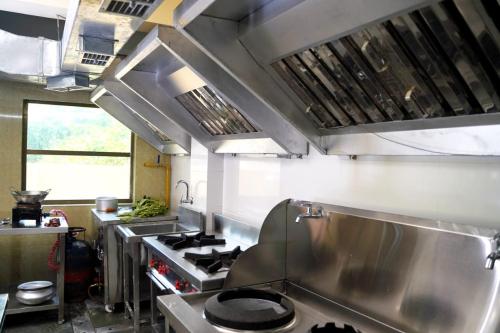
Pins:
<point x="495" y="254"/>
<point x="188" y="199"/>
<point x="309" y="213"/>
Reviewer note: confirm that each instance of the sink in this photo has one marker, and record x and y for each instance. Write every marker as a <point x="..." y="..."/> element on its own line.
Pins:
<point x="155" y="229"/>
<point x="135" y="232"/>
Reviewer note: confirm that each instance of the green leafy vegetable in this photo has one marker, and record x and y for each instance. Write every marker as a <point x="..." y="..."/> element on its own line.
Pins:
<point x="146" y="207"/>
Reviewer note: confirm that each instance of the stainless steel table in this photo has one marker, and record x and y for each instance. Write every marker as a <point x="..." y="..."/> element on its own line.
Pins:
<point x="131" y="244"/>
<point x="110" y="251"/>
<point x="58" y="301"/>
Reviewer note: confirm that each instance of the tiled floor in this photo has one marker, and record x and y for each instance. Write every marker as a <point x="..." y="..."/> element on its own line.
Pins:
<point x="87" y="317"/>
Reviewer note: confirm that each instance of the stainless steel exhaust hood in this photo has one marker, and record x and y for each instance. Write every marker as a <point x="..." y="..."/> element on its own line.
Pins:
<point x="187" y="86"/>
<point x="141" y="118"/>
<point x="357" y="66"/>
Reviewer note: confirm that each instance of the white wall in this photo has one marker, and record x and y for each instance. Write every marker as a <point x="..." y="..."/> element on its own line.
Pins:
<point x="456" y="189"/>
<point x="181" y="169"/>
<point x="204" y="173"/>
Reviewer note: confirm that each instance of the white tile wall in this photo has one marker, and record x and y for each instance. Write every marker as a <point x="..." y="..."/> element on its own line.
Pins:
<point x="204" y="172"/>
<point x="181" y="169"/>
<point x="457" y="189"/>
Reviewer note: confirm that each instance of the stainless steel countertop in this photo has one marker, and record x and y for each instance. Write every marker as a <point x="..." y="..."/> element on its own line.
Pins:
<point x="185" y="268"/>
<point x="185" y="312"/>
<point x="104" y="218"/>
<point x="7" y="229"/>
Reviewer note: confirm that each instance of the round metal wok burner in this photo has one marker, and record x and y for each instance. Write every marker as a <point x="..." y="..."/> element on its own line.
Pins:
<point x="332" y="328"/>
<point x="249" y="309"/>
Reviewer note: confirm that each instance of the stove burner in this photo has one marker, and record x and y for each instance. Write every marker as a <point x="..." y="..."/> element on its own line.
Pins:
<point x="332" y="328"/>
<point x="249" y="309"/>
<point x="184" y="241"/>
<point x="212" y="262"/>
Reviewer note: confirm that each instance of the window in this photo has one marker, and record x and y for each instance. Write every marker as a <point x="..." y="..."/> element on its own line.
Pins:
<point x="79" y="152"/>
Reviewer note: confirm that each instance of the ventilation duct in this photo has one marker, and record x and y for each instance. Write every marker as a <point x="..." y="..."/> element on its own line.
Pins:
<point x="28" y="58"/>
<point x="184" y="84"/>
<point x="90" y="42"/>
<point x="359" y="66"/>
<point x="134" y="8"/>
<point x="68" y="82"/>
<point x="96" y="51"/>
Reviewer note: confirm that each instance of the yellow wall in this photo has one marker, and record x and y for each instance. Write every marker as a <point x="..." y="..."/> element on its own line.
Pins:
<point x="164" y="13"/>
<point x="25" y="258"/>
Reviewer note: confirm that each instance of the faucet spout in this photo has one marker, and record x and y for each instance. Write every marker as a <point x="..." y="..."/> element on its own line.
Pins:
<point x="309" y="214"/>
<point x="188" y="199"/>
<point x="495" y="254"/>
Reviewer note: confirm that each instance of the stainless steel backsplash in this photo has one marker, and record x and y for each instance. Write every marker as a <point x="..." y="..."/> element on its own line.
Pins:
<point x="416" y="275"/>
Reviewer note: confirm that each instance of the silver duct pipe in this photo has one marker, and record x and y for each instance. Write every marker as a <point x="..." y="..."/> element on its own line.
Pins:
<point x="22" y="56"/>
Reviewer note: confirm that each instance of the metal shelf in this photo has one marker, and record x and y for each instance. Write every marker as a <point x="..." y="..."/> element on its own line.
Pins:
<point x="14" y="306"/>
<point x="57" y="302"/>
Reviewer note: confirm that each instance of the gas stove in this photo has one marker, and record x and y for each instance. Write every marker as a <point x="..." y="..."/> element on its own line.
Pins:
<point x="278" y="307"/>
<point x="190" y="262"/>
<point x="27" y="215"/>
<point x="183" y="241"/>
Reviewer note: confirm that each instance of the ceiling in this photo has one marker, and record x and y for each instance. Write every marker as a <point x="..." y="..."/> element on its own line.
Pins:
<point x="43" y="8"/>
<point x="53" y="8"/>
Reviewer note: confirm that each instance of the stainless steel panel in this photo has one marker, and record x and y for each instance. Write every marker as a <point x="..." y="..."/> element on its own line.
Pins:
<point x="310" y="310"/>
<point x="258" y="264"/>
<point x="264" y="262"/>
<point x="259" y="113"/>
<point x="191" y="219"/>
<point x="180" y="315"/>
<point x="415" y="275"/>
<point x="243" y="111"/>
<point x="124" y="115"/>
<point x="150" y="115"/>
<point x="285" y="120"/>
<point x="235" y="229"/>
<point x="272" y="32"/>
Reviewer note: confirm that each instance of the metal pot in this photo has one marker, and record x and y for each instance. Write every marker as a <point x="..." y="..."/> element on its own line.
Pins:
<point x="35" y="292"/>
<point x="106" y="204"/>
<point x="30" y="197"/>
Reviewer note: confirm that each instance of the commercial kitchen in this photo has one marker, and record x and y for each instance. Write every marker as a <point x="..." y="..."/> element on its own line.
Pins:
<point x="204" y="166"/>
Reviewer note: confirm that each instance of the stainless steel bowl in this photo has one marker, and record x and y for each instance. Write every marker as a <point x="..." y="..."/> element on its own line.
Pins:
<point x="30" y="197"/>
<point x="106" y="204"/>
<point x="35" y="292"/>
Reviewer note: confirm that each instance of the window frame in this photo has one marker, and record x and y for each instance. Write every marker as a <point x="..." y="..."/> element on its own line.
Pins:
<point x="26" y="152"/>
